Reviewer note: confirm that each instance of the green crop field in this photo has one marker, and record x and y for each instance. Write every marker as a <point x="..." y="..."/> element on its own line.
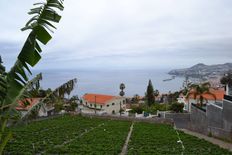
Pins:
<point x="82" y="135"/>
<point x="162" y="139"/>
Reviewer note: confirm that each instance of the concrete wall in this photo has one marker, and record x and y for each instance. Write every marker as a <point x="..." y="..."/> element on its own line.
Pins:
<point x="215" y="121"/>
<point x="198" y="120"/>
<point x="126" y="118"/>
<point x="220" y="133"/>
<point x="227" y="115"/>
<point x="214" y="116"/>
<point x="181" y="120"/>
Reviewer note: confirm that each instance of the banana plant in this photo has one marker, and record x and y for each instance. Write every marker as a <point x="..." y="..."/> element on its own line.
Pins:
<point x="14" y="82"/>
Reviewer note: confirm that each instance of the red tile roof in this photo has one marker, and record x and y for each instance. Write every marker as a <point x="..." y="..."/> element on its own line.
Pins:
<point x="32" y="102"/>
<point x="219" y="94"/>
<point x="98" y="98"/>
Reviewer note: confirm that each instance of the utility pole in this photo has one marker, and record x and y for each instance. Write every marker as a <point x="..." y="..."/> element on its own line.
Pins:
<point x="95" y="105"/>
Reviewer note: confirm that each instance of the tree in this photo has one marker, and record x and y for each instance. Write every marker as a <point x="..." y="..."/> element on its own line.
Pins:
<point x="156" y="93"/>
<point x="198" y="91"/>
<point x="122" y="87"/>
<point x="227" y="79"/>
<point x="14" y="83"/>
<point x="150" y="94"/>
<point x="135" y="98"/>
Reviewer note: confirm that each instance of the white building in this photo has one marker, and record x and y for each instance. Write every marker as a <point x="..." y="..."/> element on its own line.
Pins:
<point x="100" y="103"/>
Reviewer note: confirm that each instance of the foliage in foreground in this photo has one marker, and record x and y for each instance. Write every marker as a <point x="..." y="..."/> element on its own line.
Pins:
<point x="14" y="83"/>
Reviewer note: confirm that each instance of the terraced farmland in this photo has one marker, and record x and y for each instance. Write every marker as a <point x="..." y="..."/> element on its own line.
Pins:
<point x="82" y="135"/>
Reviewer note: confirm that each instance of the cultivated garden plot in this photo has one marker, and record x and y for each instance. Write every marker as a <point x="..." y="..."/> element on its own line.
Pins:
<point x="153" y="139"/>
<point x="83" y="135"/>
<point x="194" y="145"/>
<point x="107" y="139"/>
<point x="42" y="135"/>
<point x="158" y="139"/>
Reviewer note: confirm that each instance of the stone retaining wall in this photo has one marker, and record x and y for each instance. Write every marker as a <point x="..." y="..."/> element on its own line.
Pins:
<point x="149" y="120"/>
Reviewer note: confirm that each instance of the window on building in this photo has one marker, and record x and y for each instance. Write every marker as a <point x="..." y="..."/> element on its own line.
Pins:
<point x="90" y="105"/>
<point x="101" y="106"/>
<point x="86" y="103"/>
<point x="113" y="103"/>
<point x="123" y="101"/>
<point x="107" y="105"/>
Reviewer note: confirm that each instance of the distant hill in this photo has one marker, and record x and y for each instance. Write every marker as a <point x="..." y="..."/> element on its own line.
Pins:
<point x="202" y="70"/>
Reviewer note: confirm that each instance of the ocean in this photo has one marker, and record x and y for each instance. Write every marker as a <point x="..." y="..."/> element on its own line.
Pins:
<point x="107" y="82"/>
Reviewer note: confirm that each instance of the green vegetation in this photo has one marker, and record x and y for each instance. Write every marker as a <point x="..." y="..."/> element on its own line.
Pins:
<point x="157" y="139"/>
<point x="152" y="109"/>
<point x="150" y="97"/>
<point x="177" y="107"/>
<point x="195" y="145"/>
<point x="227" y="79"/>
<point x="153" y="139"/>
<point x="82" y="135"/>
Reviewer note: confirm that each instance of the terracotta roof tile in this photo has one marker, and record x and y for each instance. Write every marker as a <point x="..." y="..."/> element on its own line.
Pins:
<point x="32" y="102"/>
<point x="219" y="94"/>
<point x="98" y="98"/>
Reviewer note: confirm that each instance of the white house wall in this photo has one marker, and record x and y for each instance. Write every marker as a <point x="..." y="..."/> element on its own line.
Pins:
<point x="108" y="107"/>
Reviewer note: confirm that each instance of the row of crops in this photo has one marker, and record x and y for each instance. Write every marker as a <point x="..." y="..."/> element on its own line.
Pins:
<point x="82" y="135"/>
<point x="162" y="139"/>
<point x="69" y="134"/>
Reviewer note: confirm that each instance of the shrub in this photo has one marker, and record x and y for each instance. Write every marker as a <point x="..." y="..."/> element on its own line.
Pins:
<point x="177" y="107"/>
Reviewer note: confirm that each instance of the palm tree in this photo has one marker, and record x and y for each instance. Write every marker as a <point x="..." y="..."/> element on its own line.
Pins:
<point x="122" y="93"/>
<point x="199" y="90"/>
<point x="122" y="87"/>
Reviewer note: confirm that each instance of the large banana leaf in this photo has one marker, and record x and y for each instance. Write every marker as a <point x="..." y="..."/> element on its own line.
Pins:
<point x="14" y="83"/>
<point x="40" y="25"/>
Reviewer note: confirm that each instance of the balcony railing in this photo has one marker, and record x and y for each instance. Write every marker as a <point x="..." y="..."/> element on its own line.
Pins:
<point x="228" y="97"/>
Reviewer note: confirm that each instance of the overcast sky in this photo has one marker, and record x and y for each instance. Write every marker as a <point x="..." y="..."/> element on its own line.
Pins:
<point x="128" y="34"/>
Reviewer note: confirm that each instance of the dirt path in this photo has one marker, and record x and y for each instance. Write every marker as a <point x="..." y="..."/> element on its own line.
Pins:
<point x="125" y="146"/>
<point x="222" y="144"/>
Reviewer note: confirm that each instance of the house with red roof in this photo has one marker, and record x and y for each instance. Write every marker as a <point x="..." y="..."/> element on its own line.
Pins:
<point x="216" y="98"/>
<point x="100" y="103"/>
<point x="27" y="104"/>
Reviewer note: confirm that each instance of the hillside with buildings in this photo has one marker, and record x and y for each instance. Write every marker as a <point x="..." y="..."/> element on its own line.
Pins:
<point x="202" y="70"/>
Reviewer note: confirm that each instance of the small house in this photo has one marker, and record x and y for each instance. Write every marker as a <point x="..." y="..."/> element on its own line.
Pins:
<point x="100" y="103"/>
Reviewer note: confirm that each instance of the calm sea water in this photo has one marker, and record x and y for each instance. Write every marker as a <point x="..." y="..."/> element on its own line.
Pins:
<point x="107" y="82"/>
